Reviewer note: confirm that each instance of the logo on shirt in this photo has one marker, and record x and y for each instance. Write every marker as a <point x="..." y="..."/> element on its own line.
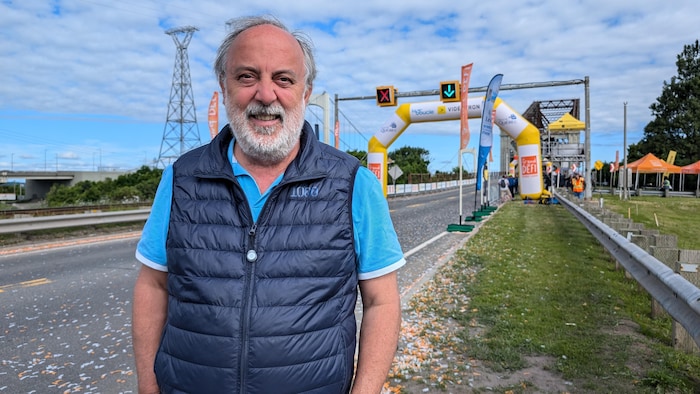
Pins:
<point x="300" y="192"/>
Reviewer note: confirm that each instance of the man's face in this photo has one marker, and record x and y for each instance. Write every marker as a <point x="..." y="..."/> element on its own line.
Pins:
<point x="264" y="93"/>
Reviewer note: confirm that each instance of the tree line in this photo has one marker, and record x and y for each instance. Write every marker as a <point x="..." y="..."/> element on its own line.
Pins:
<point x="676" y="114"/>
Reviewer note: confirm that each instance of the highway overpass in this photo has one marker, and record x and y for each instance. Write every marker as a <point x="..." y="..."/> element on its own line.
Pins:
<point x="38" y="183"/>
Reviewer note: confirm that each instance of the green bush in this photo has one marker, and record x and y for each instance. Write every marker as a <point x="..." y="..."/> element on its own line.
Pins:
<point x="140" y="185"/>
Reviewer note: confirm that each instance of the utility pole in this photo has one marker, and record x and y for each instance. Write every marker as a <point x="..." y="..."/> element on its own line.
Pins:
<point x="625" y="189"/>
<point x="588" y="192"/>
<point x="181" y="132"/>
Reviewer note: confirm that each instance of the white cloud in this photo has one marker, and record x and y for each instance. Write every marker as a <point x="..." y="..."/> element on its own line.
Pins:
<point x="87" y="59"/>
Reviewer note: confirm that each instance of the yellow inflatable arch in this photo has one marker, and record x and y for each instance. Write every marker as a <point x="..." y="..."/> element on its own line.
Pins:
<point x="525" y="134"/>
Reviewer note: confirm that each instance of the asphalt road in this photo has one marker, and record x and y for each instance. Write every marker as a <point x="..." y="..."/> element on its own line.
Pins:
<point x="65" y="313"/>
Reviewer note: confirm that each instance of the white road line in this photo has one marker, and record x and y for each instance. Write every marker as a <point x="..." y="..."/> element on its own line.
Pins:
<point x="424" y="244"/>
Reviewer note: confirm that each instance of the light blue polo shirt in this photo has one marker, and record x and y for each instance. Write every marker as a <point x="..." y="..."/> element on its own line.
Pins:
<point x="376" y="243"/>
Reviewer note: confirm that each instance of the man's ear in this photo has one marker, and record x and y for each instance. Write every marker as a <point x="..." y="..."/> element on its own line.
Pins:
<point x="307" y="94"/>
<point x="222" y="85"/>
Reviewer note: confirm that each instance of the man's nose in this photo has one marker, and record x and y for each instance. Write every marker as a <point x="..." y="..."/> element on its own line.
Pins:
<point x="266" y="92"/>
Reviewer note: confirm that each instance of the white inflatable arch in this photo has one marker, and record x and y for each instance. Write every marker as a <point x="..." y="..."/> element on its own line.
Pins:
<point x="525" y="134"/>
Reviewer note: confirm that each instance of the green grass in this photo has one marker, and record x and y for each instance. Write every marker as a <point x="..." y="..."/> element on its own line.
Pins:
<point x="545" y="287"/>
<point x="672" y="215"/>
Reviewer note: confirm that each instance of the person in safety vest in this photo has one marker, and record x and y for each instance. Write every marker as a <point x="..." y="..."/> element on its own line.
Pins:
<point x="578" y="185"/>
<point x="258" y="242"/>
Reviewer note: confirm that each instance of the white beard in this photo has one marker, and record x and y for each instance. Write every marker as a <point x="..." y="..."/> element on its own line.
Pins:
<point x="266" y="145"/>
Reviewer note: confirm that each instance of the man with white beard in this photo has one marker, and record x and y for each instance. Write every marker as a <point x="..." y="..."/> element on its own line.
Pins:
<point x="258" y="241"/>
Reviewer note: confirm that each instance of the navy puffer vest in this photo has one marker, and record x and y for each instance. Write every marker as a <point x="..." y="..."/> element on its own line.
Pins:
<point x="264" y="307"/>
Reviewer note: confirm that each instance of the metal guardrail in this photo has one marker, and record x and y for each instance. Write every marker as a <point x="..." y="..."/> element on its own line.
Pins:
<point x="9" y="226"/>
<point x="68" y="210"/>
<point x="647" y="192"/>
<point x="679" y="297"/>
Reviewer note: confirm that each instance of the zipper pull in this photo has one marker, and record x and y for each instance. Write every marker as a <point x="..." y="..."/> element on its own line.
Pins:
<point x="251" y="255"/>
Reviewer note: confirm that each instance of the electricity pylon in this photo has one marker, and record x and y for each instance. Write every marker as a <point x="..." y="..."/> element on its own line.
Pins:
<point x="181" y="132"/>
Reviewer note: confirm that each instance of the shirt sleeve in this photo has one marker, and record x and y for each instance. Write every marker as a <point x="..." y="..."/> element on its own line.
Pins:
<point x="376" y="243"/>
<point x="151" y="247"/>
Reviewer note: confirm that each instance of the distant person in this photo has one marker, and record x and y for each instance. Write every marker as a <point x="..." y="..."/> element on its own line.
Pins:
<point x="512" y="185"/>
<point x="666" y="186"/>
<point x="258" y="241"/>
<point x="547" y="181"/>
<point x="504" y="189"/>
<point x="485" y="186"/>
<point x="578" y="185"/>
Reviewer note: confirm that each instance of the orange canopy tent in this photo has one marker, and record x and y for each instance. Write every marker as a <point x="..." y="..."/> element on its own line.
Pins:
<point x="650" y="164"/>
<point x="693" y="169"/>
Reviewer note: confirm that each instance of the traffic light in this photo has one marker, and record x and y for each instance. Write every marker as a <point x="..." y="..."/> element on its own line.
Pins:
<point x="386" y="96"/>
<point x="449" y="91"/>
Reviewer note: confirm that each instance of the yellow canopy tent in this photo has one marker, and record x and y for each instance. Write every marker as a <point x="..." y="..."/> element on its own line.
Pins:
<point x="567" y="122"/>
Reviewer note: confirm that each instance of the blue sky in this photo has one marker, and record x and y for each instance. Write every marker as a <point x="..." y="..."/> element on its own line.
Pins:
<point x="85" y="83"/>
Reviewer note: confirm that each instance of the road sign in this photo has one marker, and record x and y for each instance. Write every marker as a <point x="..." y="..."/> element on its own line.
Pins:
<point x="395" y="172"/>
<point x="450" y="91"/>
<point x="386" y="96"/>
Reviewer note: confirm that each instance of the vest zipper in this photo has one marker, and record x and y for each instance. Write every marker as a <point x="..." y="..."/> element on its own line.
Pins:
<point x="251" y="257"/>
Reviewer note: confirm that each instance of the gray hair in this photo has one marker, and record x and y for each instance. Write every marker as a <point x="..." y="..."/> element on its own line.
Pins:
<point x="239" y="25"/>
